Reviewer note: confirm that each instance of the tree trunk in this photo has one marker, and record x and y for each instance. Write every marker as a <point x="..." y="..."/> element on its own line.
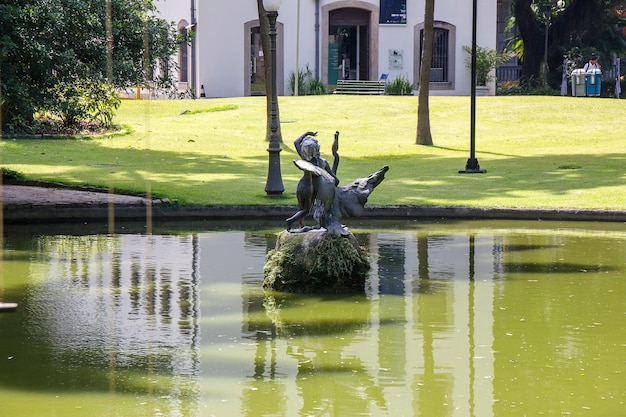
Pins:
<point x="566" y="30"/>
<point x="265" y="45"/>
<point x="533" y="36"/>
<point x="424" y="136"/>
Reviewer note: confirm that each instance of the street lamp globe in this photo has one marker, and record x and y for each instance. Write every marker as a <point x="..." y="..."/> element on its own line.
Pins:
<point x="271" y="5"/>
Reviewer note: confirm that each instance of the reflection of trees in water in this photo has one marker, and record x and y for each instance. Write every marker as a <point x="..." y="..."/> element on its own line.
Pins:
<point x="266" y="385"/>
<point x="409" y="316"/>
<point x="427" y="328"/>
<point x="119" y="314"/>
<point x="433" y="387"/>
<point x="325" y="335"/>
<point x="330" y="379"/>
<point x="110" y="308"/>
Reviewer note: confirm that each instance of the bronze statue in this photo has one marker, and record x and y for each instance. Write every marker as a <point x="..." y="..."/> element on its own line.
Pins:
<point x="318" y="191"/>
<point x="309" y="150"/>
<point x="326" y="257"/>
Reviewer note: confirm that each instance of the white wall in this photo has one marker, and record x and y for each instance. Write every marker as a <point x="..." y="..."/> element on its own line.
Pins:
<point x="222" y="59"/>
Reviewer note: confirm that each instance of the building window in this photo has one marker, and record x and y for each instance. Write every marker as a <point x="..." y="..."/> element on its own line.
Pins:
<point x="439" y="65"/>
<point x="183" y="61"/>
<point x="392" y="12"/>
<point x="442" y="68"/>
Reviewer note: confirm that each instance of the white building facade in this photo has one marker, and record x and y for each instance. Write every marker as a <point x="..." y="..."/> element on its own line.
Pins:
<point x="333" y="39"/>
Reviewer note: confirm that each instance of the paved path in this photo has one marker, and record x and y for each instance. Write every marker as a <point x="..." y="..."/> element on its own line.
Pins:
<point x="30" y="196"/>
<point x="32" y="203"/>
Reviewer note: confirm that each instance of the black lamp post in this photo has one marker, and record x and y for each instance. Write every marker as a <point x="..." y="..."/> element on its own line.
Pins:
<point x="274" y="185"/>
<point x="472" y="166"/>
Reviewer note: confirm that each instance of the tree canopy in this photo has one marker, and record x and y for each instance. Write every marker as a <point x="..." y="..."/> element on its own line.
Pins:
<point x="53" y="50"/>
<point x="579" y="29"/>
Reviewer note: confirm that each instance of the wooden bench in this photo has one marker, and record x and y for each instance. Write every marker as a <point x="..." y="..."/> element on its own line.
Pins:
<point x="360" y="87"/>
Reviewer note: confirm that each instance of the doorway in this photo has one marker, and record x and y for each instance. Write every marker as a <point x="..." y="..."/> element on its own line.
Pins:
<point x="350" y="42"/>
<point x="257" y="63"/>
<point x="255" y="60"/>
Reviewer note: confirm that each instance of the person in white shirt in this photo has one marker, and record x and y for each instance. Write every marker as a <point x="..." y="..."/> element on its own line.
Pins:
<point x="592" y="64"/>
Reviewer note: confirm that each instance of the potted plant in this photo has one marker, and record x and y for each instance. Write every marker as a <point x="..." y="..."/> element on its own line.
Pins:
<point x="486" y="61"/>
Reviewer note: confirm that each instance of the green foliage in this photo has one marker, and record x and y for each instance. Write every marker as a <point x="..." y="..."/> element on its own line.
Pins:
<point x="316" y="87"/>
<point x="336" y="258"/>
<point x="307" y="84"/>
<point x="101" y="100"/>
<point x="577" y="57"/>
<point x="336" y="265"/>
<point x="531" y="87"/>
<point x="301" y="82"/>
<point x="45" y="47"/>
<point x="9" y="174"/>
<point x="82" y="101"/>
<point x="486" y="61"/>
<point x="401" y="86"/>
<point x="66" y="102"/>
<point x="607" y="88"/>
<point x="574" y="31"/>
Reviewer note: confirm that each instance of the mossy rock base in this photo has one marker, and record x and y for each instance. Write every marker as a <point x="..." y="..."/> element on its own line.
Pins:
<point x="316" y="262"/>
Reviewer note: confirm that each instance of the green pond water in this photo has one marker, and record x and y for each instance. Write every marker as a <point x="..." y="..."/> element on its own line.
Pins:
<point x="471" y="319"/>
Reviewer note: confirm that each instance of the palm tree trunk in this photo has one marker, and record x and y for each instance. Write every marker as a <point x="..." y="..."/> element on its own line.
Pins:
<point x="424" y="136"/>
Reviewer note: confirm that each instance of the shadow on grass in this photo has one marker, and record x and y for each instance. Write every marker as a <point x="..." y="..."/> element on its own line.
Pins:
<point x="195" y="178"/>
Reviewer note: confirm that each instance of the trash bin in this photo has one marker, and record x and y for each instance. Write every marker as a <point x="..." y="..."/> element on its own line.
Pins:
<point x="578" y="83"/>
<point x="592" y="82"/>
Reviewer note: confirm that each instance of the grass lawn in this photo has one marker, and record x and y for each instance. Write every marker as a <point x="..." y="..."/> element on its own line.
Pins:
<point x="539" y="152"/>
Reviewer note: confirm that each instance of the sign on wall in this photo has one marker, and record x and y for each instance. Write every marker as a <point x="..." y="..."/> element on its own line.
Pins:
<point x="392" y="12"/>
<point x="396" y="59"/>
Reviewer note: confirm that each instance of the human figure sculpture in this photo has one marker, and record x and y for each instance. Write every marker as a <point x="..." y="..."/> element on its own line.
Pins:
<point x="318" y="191"/>
<point x="327" y="256"/>
<point x="308" y="148"/>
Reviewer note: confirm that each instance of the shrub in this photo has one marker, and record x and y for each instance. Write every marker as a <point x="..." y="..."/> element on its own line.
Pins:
<point x="486" y="61"/>
<point x="401" y="86"/>
<point x="9" y="174"/>
<point x="101" y="101"/>
<point x="316" y="87"/>
<point x="83" y="101"/>
<point x="509" y="88"/>
<point x="301" y="82"/>
<point x="307" y="85"/>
